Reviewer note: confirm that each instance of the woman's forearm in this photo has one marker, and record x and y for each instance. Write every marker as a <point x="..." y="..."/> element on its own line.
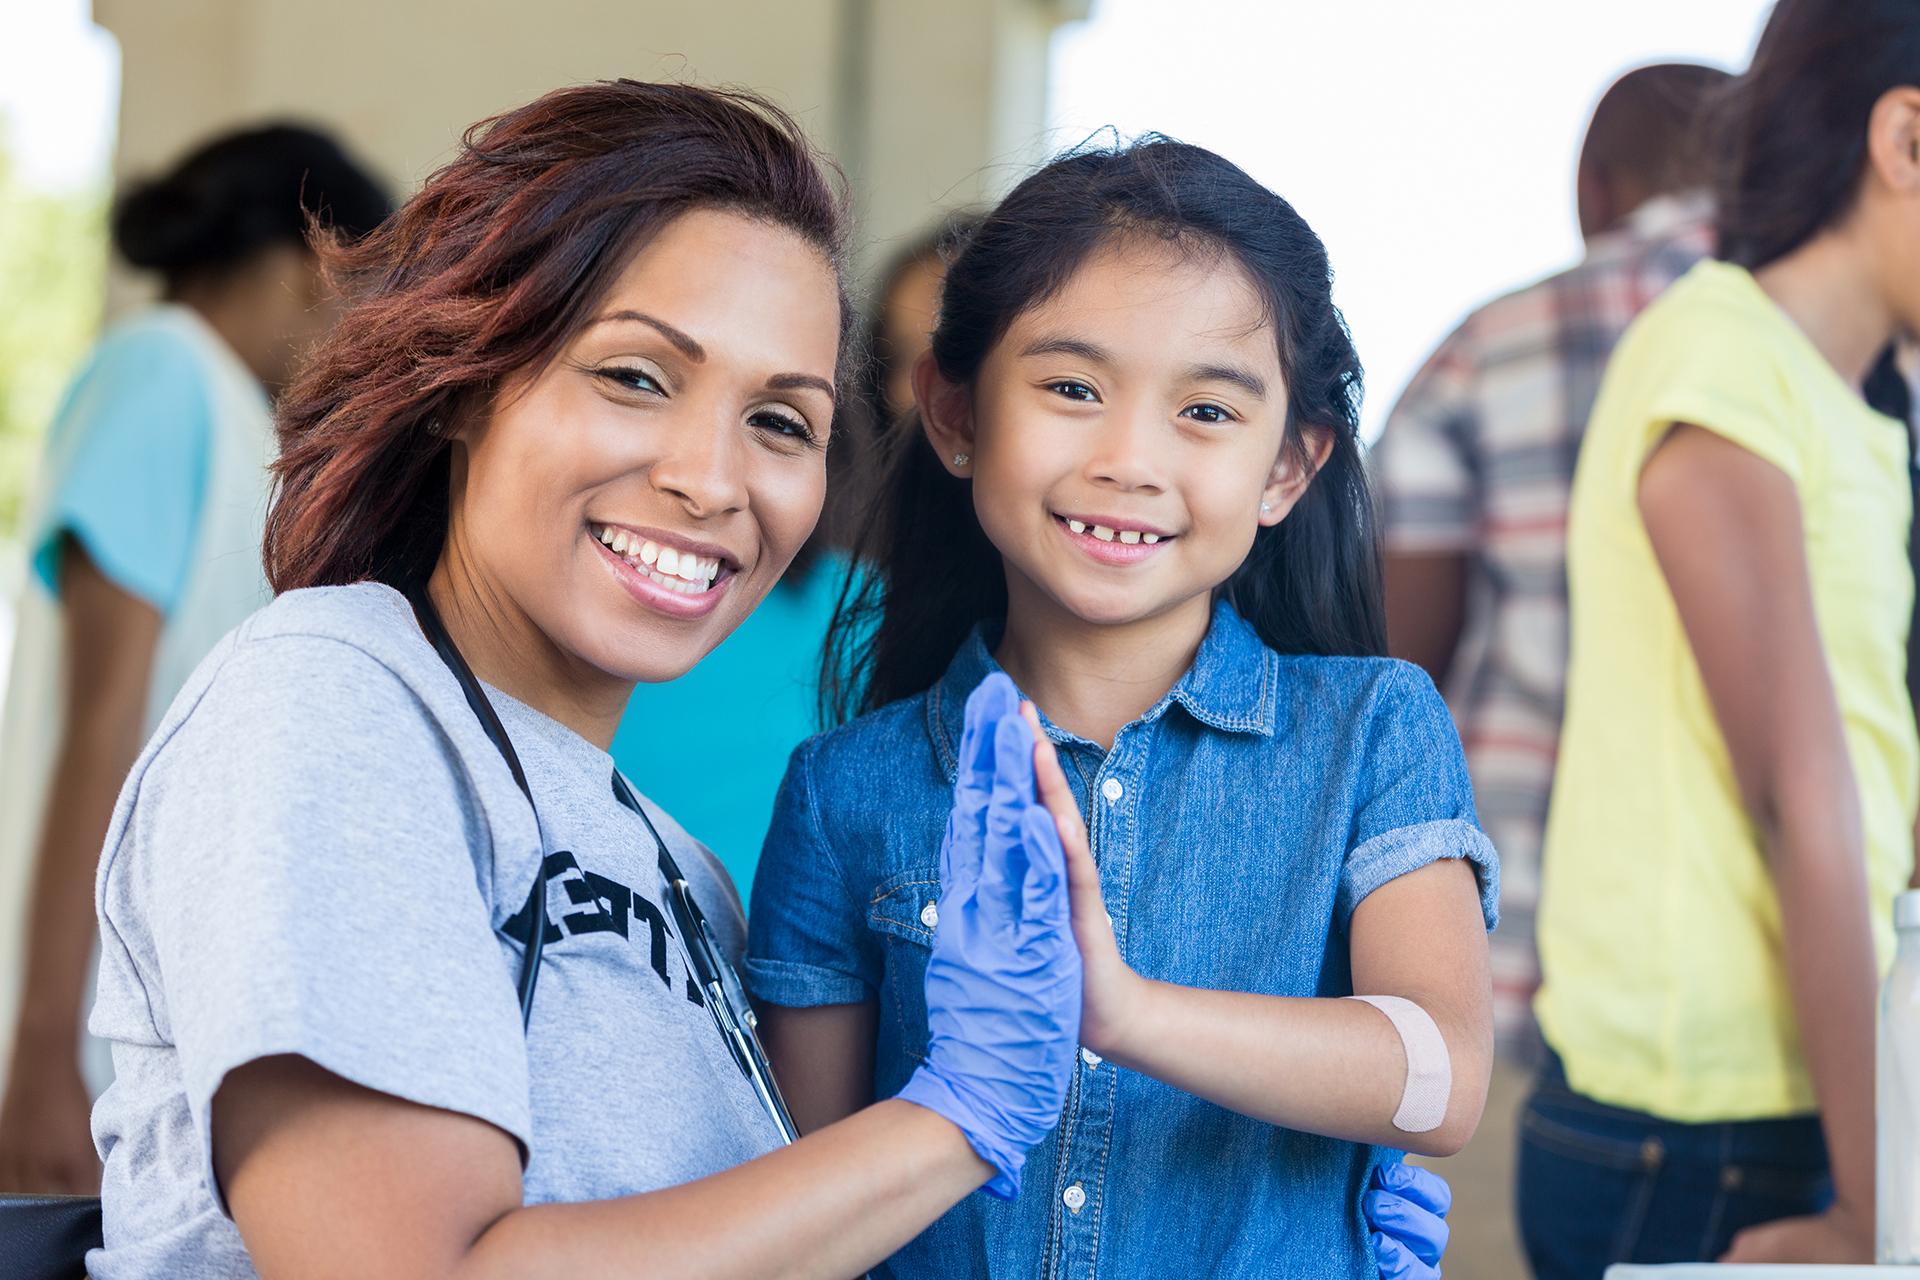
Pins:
<point x="60" y="927"/>
<point x="326" y="1177"/>
<point x="1818" y="866"/>
<point x="1727" y="529"/>
<point x="830" y="1206"/>
<point x="1913" y="880"/>
<point x="1334" y="1067"/>
<point x="109" y="642"/>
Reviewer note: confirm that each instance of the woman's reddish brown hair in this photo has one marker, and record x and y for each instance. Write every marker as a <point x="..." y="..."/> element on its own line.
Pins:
<point x="491" y="269"/>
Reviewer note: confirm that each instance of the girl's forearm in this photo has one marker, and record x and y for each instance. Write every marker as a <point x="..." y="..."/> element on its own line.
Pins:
<point x="830" y="1206"/>
<point x="1327" y="1066"/>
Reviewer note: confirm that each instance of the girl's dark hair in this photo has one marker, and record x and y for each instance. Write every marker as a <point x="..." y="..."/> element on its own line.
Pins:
<point x="243" y="192"/>
<point x="490" y="270"/>
<point x="1311" y="584"/>
<point x="1792" y="130"/>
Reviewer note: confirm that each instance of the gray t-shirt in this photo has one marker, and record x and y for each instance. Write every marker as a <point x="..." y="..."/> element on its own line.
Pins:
<point x="319" y="853"/>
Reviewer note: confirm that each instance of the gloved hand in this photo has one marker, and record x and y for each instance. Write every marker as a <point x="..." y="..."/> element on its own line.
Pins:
<point x="1003" y="983"/>
<point x="1407" y="1209"/>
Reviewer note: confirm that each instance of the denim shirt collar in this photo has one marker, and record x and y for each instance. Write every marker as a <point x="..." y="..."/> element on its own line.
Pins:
<point x="1229" y="687"/>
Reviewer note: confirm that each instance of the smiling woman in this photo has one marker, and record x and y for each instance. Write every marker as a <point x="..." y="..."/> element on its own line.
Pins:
<point x="619" y="328"/>
<point x="570" y="434"/>
<point x="709" y="448"/>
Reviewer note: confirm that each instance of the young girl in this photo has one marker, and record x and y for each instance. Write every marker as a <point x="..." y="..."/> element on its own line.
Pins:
<point x="1143" y="501"/>
<point x="1735" y="802"/>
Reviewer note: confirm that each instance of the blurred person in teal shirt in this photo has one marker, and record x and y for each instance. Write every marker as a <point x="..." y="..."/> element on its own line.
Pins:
<point x="144" y="538"/>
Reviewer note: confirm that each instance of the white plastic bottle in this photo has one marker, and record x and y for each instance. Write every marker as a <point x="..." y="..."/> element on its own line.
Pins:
<point x="1897" y="1214"/>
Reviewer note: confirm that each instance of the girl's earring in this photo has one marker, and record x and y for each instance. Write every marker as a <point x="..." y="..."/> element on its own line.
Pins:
<point x="1265" y="507"/>
<point x="962" y="459"/>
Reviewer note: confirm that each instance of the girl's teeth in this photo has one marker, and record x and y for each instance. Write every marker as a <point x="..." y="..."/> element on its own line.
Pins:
<point x="606" y="536"/>
<point x="669" y="562"/>
<point x="619" y="544"/>
<point x="1100" y="531"/>
<point x="649" y="552"/>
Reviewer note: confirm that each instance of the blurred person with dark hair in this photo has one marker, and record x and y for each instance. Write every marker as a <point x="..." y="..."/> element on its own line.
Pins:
<point x="1739" y="770"/>
<point x="145" y="545"/>
<point x="906" y="304"/>
<point x="1474" y="469"/>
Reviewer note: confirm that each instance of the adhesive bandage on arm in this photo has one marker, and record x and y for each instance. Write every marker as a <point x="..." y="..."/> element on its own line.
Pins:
<point x="1423" y="1103"/>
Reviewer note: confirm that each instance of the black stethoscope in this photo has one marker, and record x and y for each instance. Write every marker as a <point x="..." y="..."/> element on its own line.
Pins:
<point x="720" y="986"/>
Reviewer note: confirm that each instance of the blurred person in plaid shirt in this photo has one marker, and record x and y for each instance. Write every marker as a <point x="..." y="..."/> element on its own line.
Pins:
<point x="1474" y="469"/>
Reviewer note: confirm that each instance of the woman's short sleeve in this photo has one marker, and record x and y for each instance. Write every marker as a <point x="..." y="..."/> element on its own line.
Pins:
<point x="806" y="936"/>
<point x="297" y="871"/>
<point x="1415" y="800"/>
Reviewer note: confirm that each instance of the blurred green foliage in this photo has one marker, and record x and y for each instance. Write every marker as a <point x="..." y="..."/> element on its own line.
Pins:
<point x="53" y="262"/>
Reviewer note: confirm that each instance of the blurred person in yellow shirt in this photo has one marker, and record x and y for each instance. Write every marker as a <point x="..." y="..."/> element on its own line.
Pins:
<point x="1734" y="805"/>
<point x="1474" y="470"/>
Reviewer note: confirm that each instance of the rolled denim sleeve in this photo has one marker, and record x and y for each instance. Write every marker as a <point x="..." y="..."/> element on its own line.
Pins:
<point x="1416" y="802"/>
<point x="807" y="943"/>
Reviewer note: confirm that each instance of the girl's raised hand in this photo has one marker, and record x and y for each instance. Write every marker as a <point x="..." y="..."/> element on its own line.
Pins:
<point x="1112" y="988"/>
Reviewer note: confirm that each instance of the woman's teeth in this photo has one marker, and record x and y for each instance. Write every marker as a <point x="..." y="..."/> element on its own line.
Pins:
<point x="680" y="571"/>
<point x="1105" y="534"/>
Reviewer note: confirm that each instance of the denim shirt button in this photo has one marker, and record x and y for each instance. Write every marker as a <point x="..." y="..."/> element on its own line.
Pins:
<point x="930" y="915"/>
<point x="1074" y="1197"/>
<point x="1091" y="1058"/>
<point x="1112" y="789"/>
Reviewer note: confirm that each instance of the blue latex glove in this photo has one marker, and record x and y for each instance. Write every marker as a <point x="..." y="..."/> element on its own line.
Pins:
<point x="1003" y="983"/>
<point x="1407" y="1209"/>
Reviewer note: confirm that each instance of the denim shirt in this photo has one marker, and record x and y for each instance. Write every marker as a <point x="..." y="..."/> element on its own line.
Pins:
<point x="1236" y="826"/>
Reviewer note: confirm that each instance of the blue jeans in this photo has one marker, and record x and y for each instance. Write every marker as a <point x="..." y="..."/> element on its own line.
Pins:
<point x="1600" y="1185"/>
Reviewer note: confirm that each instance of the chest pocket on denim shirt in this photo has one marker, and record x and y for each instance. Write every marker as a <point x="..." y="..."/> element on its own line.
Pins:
<point x="903" y="912"/>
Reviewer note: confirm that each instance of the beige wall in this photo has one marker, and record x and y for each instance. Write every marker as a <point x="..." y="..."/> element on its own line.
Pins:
<point x="929" y="103"/>
<point x="955" y="106"/>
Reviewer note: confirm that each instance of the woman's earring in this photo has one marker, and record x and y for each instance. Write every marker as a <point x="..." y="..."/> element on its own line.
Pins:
<point x="1265" y="507"/>
<point x="962" y="459"/>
